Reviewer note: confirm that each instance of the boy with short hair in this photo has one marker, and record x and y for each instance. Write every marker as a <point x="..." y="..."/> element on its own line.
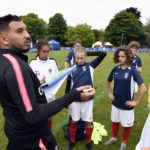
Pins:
<point x="24" y="102"/>
<point x="83" y="76"/>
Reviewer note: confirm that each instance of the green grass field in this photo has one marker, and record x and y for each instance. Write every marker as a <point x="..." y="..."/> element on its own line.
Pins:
<point x="102" y="106"/>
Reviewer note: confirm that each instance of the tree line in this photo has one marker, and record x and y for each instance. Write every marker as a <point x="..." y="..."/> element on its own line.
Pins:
<point x="124" y="27"/>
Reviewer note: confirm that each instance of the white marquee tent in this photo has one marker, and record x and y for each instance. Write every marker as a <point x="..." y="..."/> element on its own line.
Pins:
<point x="98" y="43"/>
<point x="108" y="44"/>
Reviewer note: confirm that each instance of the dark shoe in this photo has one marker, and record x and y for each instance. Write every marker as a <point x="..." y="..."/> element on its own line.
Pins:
<point x="70" y="146"/>
<point x="89" y="146"/>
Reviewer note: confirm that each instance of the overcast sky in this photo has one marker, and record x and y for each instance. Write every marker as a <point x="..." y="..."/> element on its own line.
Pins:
<point x="96" y="13"/>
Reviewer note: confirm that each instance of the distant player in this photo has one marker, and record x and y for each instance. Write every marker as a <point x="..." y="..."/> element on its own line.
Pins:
<point x="83" y="76"/>
<point x="44" y="68"/>
<point x="122" y="98"/>
<point x="70" y="61"/>
<point x="134" y="45"/>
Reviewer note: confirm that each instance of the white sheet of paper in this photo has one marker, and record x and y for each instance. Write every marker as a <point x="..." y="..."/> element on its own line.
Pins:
<point x="57" y="80"/>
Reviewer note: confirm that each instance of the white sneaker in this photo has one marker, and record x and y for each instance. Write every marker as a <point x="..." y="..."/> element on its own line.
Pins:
<point x="110" y="141"/>
<point x="123" y="146"/>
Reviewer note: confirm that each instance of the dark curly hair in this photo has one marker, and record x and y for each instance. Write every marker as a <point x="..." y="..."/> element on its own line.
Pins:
<point x="127" y="52"/>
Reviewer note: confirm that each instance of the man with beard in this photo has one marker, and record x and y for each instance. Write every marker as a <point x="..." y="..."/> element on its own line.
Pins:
<point x="26" y="110"/>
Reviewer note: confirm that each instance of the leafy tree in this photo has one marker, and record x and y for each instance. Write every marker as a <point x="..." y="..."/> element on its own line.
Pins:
<point x="32" y="15"/>
<point x="102" y="35"/>
<point x="35" y="26"/>
<point x="136" y="12"/>
<point x="147" y="33"/>
<point x="96" y="34"/>
<point x="81" y="32"/>
<point x="123" y="28"/>
<point x="71" y="35"/>
<point x="99" y="35"/>
<point x="57" y="28"/>
<point x="147" y="29"/>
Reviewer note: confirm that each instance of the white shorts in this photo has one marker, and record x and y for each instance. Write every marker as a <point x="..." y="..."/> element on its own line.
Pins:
<point x="83" y="110"/>
<point x="145" y="136"/>
<point x="125" y="117"/>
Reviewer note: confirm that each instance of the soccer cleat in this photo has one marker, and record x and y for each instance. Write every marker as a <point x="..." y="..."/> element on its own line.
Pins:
<point x="123" y="146"/>
<point x="70" y="146"/>
<point x="89" y="146"/>
<point x="110" y="141"/>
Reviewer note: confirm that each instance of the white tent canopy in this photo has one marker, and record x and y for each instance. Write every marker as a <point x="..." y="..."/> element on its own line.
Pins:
<point x="98" y="43"/>
<point x="108" y="44"/>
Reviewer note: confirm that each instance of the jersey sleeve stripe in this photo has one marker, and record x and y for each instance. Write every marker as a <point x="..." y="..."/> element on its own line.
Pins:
<point x="41" y="145"/>
<point x="20" y="81"/>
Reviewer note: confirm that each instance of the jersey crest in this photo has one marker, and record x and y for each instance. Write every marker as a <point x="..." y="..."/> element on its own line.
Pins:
<point x="37" y="73"/>
<point x="126" y="75"/>
<point x="84" y="68"/>
<point x="50" y="70"/>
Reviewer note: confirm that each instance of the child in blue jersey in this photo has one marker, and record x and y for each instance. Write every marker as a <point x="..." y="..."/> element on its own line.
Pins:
<point x="124" y="76"/>
<point x="134" y="45"/>
<point x="70" y="61"/>
<point x="83" y="76"/>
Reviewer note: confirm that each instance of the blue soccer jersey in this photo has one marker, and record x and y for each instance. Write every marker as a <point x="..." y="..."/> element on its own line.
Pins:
<point x="124" y="85"/>
<point x="84" y="73"/>
<point x="71" y="58"/>
<point x="137" y="62"/>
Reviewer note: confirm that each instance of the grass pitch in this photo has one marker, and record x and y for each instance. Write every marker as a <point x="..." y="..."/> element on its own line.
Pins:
<point x="102" y="105"/>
